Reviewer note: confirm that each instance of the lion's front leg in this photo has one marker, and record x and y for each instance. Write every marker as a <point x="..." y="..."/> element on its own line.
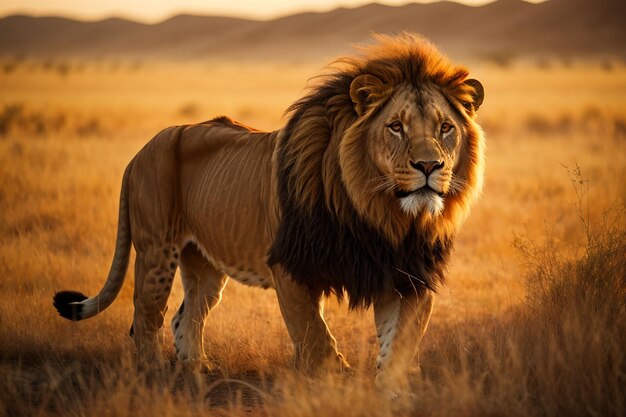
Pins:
<point x="401" y="322"/>
<point x="315" y="347"/>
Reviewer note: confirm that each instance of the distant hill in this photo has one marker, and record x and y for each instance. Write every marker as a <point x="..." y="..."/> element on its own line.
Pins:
<point x="504" y="28"/>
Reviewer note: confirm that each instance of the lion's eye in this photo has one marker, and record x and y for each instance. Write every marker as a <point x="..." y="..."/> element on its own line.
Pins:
<point x="395" y="126"/>
<point x="446" y="127"/>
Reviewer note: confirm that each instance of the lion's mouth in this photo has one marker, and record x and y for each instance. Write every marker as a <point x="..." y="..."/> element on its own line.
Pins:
<point x="422" y="190"/>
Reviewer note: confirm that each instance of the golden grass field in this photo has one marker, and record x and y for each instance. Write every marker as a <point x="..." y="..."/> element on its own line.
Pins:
<point x="532" y="320"/>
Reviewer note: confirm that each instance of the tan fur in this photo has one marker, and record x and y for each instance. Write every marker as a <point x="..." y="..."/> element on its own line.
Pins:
<point x="205" y="197"/>
<point x="401" y="62"/>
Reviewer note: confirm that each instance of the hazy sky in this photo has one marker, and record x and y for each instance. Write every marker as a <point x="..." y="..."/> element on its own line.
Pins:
<point x="155" y="10"/>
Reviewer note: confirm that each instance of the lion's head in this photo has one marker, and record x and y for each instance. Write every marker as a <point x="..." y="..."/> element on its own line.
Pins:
<point x="414" y="150"/>
<point x="383" y="151"/>
<point x="416" y="143"/>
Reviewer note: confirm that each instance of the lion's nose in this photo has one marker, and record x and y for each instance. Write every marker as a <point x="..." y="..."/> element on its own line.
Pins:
<point x="427" y="166"/>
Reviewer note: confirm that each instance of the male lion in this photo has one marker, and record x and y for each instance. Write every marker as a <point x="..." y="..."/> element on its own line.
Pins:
<point x="362" y="193"/>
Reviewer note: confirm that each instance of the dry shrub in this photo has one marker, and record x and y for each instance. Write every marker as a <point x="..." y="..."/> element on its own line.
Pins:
<point x="573" y="330"/>
<point x="90" y="127"/>
<point x="590" y="121"/>
<point x="572" y="333"/>
<point x="538" y="124"/>
<point x="502" y="59"/>
<point x="619" y="126"/>
<point x="9" y="117"/>
<point x="189" y="110"/>
<point x="562" y="353"/>
<point x="18" y="120"/>
<point x="9" y="67"/>
<point x="15" y="118"/>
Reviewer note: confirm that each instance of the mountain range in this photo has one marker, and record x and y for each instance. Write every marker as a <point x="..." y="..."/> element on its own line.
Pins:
<point x="507" y="28"/>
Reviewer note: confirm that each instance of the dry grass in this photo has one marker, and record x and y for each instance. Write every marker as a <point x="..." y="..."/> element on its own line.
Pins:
<point x="540" y="334"/>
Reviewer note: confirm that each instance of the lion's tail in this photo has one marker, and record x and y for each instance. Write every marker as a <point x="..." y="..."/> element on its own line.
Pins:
<point x="75" y="306"/>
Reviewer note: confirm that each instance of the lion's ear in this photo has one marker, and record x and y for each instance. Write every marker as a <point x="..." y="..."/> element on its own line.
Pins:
<point x="364" y="90"/>
<point x="477" y="93"/>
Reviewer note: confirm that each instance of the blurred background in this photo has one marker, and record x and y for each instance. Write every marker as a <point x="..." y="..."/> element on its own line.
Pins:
<point x="563" y="56"/>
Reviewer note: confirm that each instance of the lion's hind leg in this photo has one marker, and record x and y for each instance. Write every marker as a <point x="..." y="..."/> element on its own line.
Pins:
<point x="154" y="274"/>
<point x="203" y="285"/>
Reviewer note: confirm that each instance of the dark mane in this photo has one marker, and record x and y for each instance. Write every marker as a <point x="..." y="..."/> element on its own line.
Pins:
<point x="328" y="256"/>
<point x="323" y="241"/>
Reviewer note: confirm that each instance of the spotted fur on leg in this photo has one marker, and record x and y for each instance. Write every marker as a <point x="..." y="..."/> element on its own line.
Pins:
<point x="203" y="285"/>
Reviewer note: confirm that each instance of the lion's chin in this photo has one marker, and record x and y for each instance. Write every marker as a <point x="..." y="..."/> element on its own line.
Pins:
<point x="419" y="201"/>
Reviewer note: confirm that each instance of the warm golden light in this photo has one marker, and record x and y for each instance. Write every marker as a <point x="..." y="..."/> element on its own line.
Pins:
<point x="530" y="320"/>
<point x="152" y="11"/>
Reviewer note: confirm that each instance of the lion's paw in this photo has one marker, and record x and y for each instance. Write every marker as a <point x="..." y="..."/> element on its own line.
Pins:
<point x="201" y="365"/>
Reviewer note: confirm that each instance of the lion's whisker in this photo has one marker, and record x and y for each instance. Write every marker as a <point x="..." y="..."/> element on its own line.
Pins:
<point x="381" y="177"/>
<point x="391" y="187"/>
<point x="383" y="187"/>
<point x="457" y="185"/>
<point x="384" y="183"/>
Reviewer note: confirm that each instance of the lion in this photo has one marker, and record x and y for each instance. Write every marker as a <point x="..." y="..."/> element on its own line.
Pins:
<point x="360" y="194"/>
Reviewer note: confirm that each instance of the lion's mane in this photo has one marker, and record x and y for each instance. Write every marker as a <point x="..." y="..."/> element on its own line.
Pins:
<point x="333" y="236"/>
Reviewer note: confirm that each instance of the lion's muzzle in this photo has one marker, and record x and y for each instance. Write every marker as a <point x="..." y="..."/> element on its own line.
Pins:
<point x="427" y="167"/>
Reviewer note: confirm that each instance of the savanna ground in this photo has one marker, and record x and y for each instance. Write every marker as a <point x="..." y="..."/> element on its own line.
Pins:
<point x="532" y="320"/>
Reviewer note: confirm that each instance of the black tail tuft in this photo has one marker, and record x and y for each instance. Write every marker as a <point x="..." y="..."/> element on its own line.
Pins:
<point x="63" y="303"/>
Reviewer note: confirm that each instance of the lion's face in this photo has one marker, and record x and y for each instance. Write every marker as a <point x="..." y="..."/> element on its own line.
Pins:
<point x="414" y="152"/>
<point x="415" y="142"/>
